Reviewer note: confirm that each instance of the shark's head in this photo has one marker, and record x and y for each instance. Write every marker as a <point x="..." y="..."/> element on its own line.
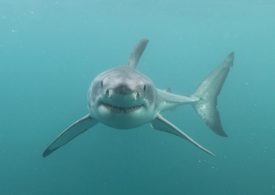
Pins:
<point x="122" y="98"/>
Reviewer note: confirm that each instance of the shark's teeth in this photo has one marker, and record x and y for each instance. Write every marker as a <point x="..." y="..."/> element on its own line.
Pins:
<point x="116" y="108"/>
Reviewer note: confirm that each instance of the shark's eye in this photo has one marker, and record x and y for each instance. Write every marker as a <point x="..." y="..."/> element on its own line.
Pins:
<point x="107" y="93"/>
<point x="144" y="87"/>
<point x="101" y="83"/>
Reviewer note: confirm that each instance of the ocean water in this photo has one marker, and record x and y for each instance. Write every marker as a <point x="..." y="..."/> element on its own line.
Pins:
<point x="51" y="50"/>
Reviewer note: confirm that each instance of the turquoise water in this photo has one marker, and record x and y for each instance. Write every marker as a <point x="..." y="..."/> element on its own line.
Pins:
<point x="51" y="50"/>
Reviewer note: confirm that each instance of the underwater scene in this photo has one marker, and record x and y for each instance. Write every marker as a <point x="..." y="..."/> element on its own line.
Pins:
<point x="186" y="105"/>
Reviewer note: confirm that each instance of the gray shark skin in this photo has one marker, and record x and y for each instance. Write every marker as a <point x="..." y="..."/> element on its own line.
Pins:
<point x="124" y="98"/>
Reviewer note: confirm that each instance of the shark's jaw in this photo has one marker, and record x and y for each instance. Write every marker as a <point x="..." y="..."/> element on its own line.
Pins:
<point x="123" y="114"/>
<point x="121" y="109"/>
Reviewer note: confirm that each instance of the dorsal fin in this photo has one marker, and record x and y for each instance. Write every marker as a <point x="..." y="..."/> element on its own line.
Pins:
<point x="137" y="52"/>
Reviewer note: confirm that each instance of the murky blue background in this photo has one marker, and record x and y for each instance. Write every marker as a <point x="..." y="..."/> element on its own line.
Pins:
<point x="51" y="50"/>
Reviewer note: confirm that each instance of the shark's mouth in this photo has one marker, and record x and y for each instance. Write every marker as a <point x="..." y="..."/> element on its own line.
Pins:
<point x="121" y="109"/>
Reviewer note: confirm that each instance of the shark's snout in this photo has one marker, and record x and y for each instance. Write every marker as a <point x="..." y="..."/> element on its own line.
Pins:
<point x="129" y="96"/>
<point x="123" y="89"/>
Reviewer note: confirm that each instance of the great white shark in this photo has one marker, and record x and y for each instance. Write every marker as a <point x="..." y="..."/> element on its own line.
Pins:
<point x="124" y="98"/>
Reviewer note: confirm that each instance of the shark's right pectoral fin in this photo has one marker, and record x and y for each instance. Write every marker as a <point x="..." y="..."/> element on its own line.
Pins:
<point x="70" y="133"/>
<point x="162" y="124"/>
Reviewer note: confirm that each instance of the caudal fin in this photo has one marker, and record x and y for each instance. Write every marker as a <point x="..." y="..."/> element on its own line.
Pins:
<point x="208" y="92"/>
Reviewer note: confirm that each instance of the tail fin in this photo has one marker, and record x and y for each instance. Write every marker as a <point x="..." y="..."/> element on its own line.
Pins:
<point x="208" y="92"/>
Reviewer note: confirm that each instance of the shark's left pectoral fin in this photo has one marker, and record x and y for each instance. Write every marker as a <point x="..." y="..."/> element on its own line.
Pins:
<point x="162" y="124"/>
<point x="70" y="133"/>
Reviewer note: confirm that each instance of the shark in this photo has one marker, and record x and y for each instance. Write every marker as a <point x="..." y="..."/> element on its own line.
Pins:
<point x="125" y="98"/>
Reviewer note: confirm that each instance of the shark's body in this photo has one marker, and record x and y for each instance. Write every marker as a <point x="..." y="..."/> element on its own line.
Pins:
<point x="124" y="98"/>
